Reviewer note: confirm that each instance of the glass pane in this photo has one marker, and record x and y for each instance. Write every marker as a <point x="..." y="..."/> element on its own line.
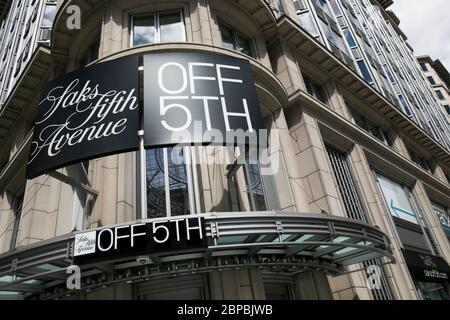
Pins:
<point x="255" y="187"/>
<point x="397" y="200"/>
<point x="307" y="22"/>
<point x="49" y="15"/>
<point x="227" y="37"/>
<point x="156" y="201"/>
<point x="364" y="71"/>
<point x="179" y="196"/>
<point x="350" y="40"/>
<point x="171" y="27"/>
<point x="244" y="45"/>
<point x="143" y="30"/>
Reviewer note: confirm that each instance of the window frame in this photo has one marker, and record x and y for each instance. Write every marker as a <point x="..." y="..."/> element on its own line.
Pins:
<point x="235" y="33"/>
<point x="156" y="17"/>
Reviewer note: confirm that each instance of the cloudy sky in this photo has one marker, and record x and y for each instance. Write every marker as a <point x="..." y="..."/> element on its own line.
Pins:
<point x="427" y="25"/>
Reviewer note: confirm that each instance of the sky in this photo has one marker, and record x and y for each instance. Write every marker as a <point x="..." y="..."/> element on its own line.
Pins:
<point x="427" y="26"/>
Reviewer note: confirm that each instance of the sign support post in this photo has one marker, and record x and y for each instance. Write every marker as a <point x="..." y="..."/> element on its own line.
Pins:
<point x="142" y="180"/>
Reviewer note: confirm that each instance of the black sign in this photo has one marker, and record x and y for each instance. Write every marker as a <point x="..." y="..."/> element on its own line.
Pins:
<point x="86" y="114"/>
<point x="427" y="268"/>
<point x="159" y="235"/>
<point x="199" y="98"/>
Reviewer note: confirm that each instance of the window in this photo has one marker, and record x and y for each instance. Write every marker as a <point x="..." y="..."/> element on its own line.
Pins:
<point x="234" y="40"/>
<point x="443" y="216"/>
<point x="405" y="105"/>
<point x="431" y="80"/>
<point x="167" y="184"/>
<point x="49" y="15"/>
<point x="307" y="23"/>
<point x="316" y="90"/>
<point x="348" y="35"/>
<point x="424" y="66"/>
<point x="171" y="27"/>
<point x="158" y="27"/>
<point x="423" y="162"/>
<point x="17" y="211"/>
<point x="144" y="31"/>
<point x="440" y="95"/>
<point x="370" y="127"/>
<point x="255" y="187"/>
<point x="447" y="108"/>
<point x="47" y="22"/>
<point x="364" y="71"/>
<point x="397" y="199"/>
<point x="173" y="179"/>
<point x="354" y="210"/>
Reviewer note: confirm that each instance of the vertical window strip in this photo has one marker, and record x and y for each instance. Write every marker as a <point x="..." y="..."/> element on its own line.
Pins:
<point x="355" y="211"/>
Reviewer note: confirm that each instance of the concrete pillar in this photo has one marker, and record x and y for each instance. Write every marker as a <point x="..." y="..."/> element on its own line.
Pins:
<point x="6" y="216"/>
<point x="284" y="64"/>
<point x="292" y="166"/>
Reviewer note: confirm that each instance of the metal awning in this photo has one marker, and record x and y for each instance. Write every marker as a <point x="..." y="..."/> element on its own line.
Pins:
<point x="289" y="243"/>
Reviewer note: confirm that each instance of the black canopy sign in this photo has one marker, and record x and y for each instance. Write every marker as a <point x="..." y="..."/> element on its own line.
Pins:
<point x="425" y="267"/>
<point x="158" y="235"/>
<point x="86" y="114"/>
<point x="199" y="98"/>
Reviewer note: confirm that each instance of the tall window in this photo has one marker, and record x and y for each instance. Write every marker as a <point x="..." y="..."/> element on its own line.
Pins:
<point x="47" y="21"/>
<point x="17" y="211"/>
<point x="158" y="27"/>
<point x="234" y="40"/>
<point x="443" y="215"/>
<point x="447" y="109"/>
<point x="424" y="66"/>
<point x="440" y="95"/>
<point x="167" y="183"/>
<point x="354" y="210"/>
<point x="431" y="80"/>
<point x="316" y="90"/>
<point x="175" y="179"/>
<point x="421" y="161"/>
<point x="255" y="188"/>
<point x="397" y="199"/>
<point x="370" y="127"/>
<point x="364" y="71"/>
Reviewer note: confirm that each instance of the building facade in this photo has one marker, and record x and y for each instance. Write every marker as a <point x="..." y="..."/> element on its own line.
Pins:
<point x="354" y="204"/>
<point x="439" y="79"/>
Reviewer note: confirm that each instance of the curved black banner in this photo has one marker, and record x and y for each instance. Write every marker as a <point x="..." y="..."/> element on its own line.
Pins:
<point x="86" y="114"/>
<point x="199" y="98"/>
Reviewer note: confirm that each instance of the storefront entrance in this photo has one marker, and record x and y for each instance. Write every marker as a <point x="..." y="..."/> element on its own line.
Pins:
<point x="431" y="275"/>
<point x="432" y="291"/>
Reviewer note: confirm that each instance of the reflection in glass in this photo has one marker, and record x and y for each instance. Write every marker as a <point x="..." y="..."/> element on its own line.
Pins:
<point x="255" y="187"/>
<point x="156" y="196"/>
<point x="307" y="22"/>
<point x="179" y="196"/>
<point x="397" y="200"/>
<point x="49" y="15"/>
<point x="144" y="30"/>
<point x="227" y="37"/>
<point x="171" y="27"/>
<point x="232" y="39"/>
<point x="157" y="164"/>
<point x="243" y="45"/>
